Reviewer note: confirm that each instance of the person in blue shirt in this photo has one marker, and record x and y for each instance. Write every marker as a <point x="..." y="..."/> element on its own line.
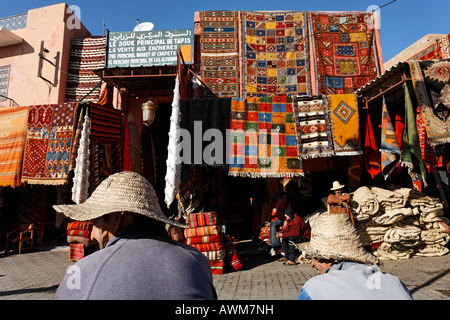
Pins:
<point x="346" y="270"/>
<point x="137" y="260"/>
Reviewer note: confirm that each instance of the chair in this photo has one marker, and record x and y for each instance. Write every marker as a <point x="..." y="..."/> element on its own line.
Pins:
<point x="23" y="233"/>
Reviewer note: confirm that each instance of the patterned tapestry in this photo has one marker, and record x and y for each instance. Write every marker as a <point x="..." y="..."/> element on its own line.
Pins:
<point x="263" y="140"/>
<point x="13" y="129"/>
<point x="313" y="127"/>
<point x="275" y="53"/>
<point x="346" y="51"/>
<point x="220" y="52"/>
<point x="86" y="55"/>
<point x="432" y="87"/>
<point x="345" y="124"/>
<point x="50" y="132"/>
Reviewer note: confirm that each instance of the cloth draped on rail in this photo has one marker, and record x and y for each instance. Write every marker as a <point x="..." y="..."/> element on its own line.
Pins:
<point x="205" y="119"/>
<point x="313" y="127"/>
<point x="390" y="148"/>
<point x="345" y="124"/>
<point x="431" y="81"/>
<point x="50" y="133"/>
<point x="411" y="153"/>
<point x="80" y="189"/>
<point x="173" y="173"/>
<point x="371" y="152"/>
<point x="275" y="54"/>
<point x="13" y="130"/>
<point x="262" y="141"/>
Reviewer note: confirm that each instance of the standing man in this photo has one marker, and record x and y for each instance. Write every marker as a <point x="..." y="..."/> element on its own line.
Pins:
<point x="340" y="202"/>
<point x="137" y="260"/>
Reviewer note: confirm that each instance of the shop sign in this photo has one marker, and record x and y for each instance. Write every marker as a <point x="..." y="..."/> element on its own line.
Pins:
<point x="149" y="48"/>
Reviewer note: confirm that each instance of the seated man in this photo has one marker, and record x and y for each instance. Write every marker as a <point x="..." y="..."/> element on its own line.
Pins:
<point x="296" y="231"/>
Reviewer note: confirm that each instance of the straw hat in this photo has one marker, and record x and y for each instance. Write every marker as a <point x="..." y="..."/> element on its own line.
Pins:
<point x="335" y="238"/>
<point x="124" y="191"/>
<point x="337" y="186"/>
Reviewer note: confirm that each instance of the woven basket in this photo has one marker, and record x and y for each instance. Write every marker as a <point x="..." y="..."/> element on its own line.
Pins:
<point x="335" y="238"/>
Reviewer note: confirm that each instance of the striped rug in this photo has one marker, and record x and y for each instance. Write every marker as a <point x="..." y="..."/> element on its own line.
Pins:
<point x="13" y="129"/>
<point x="86" y="55"/>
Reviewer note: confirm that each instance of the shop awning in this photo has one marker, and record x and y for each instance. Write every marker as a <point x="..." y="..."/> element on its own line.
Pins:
<point x="140" y="78"/>
<point x="391" y="80"/>
<point x="7" y="38"/>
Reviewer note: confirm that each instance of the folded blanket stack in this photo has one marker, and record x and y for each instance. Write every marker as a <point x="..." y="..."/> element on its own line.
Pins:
<point x="206" y="235"/>
<point x="79" y="237"/>
<point x="400" y="223"/>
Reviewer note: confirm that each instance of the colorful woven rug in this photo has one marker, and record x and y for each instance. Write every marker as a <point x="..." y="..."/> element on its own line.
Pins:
<point x="50" y="133"/>
<point x="13" y="130"/>
<point x="345" y="50"/>
<point x="313" y="127"/>
<point x="390" y="148"/>
<point x="275" y="53"/>
<point x="411" y="153"/>
<point x="86" y="55"/>
<point x="432" y="87"/>
<point x="263" y="140"/>
<point x="345" y="124"/>
<point x="220" y="51"/>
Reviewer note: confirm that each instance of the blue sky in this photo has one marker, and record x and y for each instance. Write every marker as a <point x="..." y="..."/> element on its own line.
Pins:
<point x="402" y="22"/>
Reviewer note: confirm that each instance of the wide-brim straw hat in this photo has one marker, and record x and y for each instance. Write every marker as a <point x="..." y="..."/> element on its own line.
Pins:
<point x="337" y="186"/>
<point x="121" y="192"/>
<point x="334" y="237"/>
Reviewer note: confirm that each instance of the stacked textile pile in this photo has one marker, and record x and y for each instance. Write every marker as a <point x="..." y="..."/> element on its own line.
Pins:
<point x="206" y="235"/>
<point x="79" y="238"/>
<point x="400" y="222"/>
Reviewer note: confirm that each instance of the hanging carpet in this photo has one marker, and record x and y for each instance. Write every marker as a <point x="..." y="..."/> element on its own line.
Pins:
<point x="262" y="140"/>
<point x="275" y="54"/>
<point x="219" y="51"/>
<point x="13" y="130"/>
<point x="345" y="124"/>
<point x="86" y="55"/>
<point x="313" y="127"/>
<point x="346" y="51"/>
<point x="50" y="133"/>
<point x="431" y="81"/>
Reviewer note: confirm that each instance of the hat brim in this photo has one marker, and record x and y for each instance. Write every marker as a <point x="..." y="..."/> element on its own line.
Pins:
<point x="337" y="188"/>
<point x="86" y="212"/>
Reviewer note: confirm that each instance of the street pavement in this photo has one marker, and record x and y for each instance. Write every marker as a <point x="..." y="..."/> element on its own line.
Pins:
<point x="36" y="276"/>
